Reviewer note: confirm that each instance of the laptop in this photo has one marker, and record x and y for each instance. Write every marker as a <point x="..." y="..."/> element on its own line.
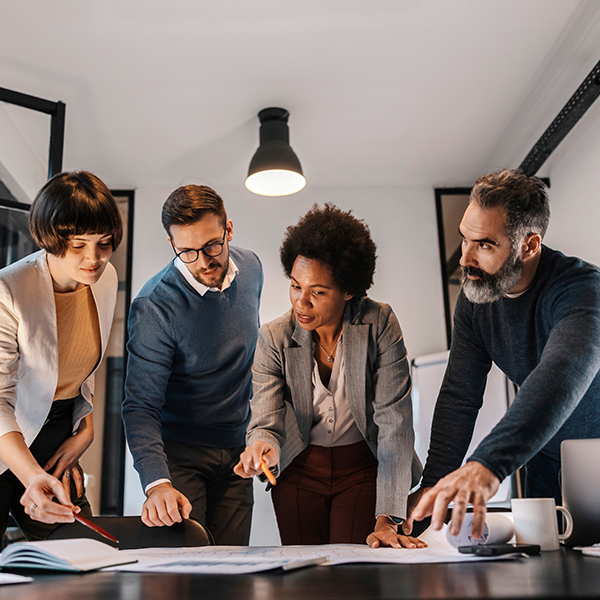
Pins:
<point x="581" y="489"/>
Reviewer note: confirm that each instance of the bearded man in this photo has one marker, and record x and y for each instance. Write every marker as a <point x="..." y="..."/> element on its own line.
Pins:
<point x="192" y="334"/>
<point x="534" y="312"/>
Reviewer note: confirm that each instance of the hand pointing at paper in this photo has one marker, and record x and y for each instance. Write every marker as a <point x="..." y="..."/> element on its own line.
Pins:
<point x="252" y="458"/>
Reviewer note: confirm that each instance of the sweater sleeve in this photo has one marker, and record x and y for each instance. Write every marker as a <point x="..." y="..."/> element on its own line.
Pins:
<point x="569" y="363"/>
<point x="151" y="348"/>
<point x="459" y="400"/>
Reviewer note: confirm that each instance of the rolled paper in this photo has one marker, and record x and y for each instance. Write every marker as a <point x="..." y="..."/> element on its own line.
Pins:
<point x="498" y="529"/>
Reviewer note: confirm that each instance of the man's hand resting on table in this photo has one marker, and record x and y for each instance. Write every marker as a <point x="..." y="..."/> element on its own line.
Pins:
<point x="165" y="506"/>
<point x="471" y="484"/>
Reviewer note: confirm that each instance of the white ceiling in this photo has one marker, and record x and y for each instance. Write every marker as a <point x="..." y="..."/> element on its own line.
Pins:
<point x="381" y="92"/>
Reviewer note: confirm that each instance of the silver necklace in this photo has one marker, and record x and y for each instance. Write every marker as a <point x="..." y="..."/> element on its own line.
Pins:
<point x="330" y="357"/>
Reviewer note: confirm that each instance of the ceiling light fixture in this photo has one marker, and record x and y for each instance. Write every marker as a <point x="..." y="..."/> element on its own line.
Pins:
<point x="274" y="169"/>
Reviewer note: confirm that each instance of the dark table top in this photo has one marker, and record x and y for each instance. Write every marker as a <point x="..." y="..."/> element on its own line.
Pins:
<point x="560" y="574"/>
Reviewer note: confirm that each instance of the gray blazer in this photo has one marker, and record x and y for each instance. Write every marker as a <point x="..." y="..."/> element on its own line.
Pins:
<point x="378" y="389"/>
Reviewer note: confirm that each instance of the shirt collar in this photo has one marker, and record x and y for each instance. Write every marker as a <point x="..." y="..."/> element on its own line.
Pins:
<point x="232" y="271"/>
<point x="507" y="295"/>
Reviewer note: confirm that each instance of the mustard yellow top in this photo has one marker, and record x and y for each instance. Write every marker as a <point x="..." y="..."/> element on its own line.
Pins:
<point x="78" y="340"/>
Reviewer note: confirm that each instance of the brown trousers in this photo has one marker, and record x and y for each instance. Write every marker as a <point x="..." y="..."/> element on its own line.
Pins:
<point x="327" y="496"/>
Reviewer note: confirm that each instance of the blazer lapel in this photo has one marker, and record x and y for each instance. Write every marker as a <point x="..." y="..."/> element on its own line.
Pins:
<point x="299" y="365"/>
<point x="356" y="341"/>
<point x="104" y="297"/>
<point x="44" y="314"/>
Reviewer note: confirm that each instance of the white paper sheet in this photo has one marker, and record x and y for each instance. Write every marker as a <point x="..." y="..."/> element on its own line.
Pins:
<point x="237" y="559"/>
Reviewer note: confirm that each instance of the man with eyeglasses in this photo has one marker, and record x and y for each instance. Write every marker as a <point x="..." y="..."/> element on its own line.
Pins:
<point x="192" y="333"/>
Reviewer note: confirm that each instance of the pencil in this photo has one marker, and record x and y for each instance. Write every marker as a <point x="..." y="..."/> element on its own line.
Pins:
<point x="267" y="472"/>
<point x="95" y="528"/>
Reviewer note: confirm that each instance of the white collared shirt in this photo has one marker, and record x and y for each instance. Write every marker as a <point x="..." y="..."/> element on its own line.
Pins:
<point x="333" y="423"/>
<point x="232" y="271"/>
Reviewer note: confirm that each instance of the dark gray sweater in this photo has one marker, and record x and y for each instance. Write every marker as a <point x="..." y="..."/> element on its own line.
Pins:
<point x="548" y="342"/>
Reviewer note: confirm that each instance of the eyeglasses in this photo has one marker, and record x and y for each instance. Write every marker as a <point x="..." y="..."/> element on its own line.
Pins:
<point x="211" y="250"/>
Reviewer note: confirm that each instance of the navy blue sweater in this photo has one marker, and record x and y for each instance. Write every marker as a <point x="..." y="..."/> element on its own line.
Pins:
<point x="548" y="342"/>
<point x="189" y="369"/>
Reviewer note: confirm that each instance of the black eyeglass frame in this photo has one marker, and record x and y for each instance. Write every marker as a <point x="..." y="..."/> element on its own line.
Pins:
<point x="203" y="250"/>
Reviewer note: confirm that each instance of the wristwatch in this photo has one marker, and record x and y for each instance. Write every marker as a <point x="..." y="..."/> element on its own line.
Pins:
<point x="397" y="520"/>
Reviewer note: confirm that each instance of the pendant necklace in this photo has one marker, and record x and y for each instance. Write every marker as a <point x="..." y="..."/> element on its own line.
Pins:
<point x="330" y="357"/>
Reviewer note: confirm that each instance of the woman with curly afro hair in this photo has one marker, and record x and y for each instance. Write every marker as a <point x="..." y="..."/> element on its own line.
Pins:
<point x="331" y="412"/>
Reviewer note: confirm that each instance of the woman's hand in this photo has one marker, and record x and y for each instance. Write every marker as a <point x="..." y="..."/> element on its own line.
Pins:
<point x="38" y="500"/>
<point x="75" y="474"/>
<point x="386" y="534"/>
<point x="40" y="487"/>
<point x="64" y="465"/>
<point x="251" y="458"/>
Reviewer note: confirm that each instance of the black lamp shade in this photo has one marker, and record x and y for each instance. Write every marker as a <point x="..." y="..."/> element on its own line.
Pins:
<point x="274" y="169"/>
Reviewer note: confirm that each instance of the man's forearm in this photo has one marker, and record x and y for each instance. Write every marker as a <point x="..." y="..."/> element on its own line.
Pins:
<point x="451" y="433"/>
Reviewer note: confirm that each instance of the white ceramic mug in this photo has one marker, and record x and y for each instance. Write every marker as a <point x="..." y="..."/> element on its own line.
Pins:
<point x="535" y="522"/>
<point x="498" y="529"/>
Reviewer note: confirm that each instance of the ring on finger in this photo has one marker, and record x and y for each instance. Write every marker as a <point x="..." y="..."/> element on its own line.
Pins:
<point x="67" y="474"/>
<point x="32" y="509"/>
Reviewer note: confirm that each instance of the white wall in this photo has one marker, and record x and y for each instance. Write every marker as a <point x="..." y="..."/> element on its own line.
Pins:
<point x="575" y="191"/>
<point x="403" y="225"/>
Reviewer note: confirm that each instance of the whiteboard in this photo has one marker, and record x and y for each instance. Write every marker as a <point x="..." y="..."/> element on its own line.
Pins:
<point x="427" y="374"/>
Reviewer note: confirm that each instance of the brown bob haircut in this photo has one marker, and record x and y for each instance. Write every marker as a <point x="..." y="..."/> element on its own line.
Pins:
<point x="73" y="203"/>
<point x="188" y="204"/>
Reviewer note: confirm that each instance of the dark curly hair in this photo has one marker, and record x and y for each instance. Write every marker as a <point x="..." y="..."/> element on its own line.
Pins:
<point x="336" y="239"/>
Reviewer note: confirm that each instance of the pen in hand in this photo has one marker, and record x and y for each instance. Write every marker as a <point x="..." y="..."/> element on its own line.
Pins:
<point x="267" y="472"/>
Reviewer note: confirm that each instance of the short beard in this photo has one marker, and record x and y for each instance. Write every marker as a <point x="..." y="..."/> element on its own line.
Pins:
<point x="211" y="284"/>
<point x="489" y="288"/>
<point x="223" y="265"/>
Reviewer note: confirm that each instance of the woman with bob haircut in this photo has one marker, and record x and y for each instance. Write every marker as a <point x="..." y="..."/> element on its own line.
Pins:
<point x="56" y="311"/>
<point x="331" y="410"/>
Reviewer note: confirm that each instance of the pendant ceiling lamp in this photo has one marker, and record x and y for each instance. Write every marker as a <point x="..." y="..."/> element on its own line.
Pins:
<point x="274" y="169"/>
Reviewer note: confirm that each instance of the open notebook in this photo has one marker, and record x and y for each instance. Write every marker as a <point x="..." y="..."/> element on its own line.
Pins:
<point x="80" y="554"/>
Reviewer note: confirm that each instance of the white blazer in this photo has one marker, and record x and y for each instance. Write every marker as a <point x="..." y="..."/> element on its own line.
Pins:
<point x="29" y="344"/>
